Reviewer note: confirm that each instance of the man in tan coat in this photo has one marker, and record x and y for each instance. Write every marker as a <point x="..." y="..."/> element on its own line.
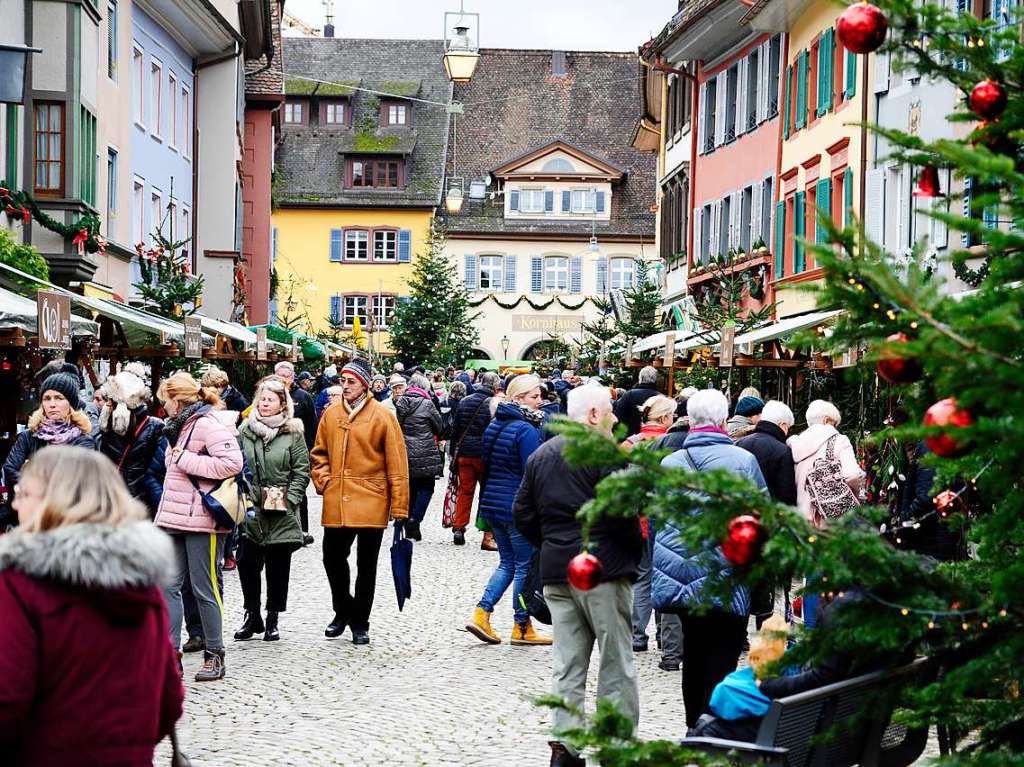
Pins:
<point x="359" y="466"/>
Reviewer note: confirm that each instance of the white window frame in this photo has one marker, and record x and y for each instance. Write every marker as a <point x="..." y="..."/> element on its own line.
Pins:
<point x="490" y="266"/>
<point x="138" y="210"/>
<point x="332" y="109"/>
<point x="381" y="306"/>
<point x="186" y="121"/>
<point x="291" y="108"/>
<point x="156" y="211"/>
<point x="113" y="59"/>
<point x="139" y="84"/>
<point x="112" y="163"/>
<point x="388" y="238"/>
<point x="528" y="200"/>
<point x="556" y="274"/>
<point x="359" y="239"/>
<point x="619" y="269"/>
<point x="583" y="201"/>
<point x="354" y="303"/>
<point x="156" y="95"/>
<point x="172" y="90"/>
<point x="398" y="110"/>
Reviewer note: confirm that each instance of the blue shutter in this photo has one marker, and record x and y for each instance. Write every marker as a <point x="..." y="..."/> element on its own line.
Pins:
<point x="549" y="201"/>
<point x="780" y="239"/>
<point x="536" y="274"/>
<point x="602" y="275"/>
<point x="851" y="74"/>
<point x="848" y="197"/>
<point x="599" y="206"/>
<point x="802" y="74"/>
<point x="566" y="201"/>
<point x="273" y="311"/>
<point x="273" y="244"/>
<point x="513" y="200"/>
<point x="824" y="198"/>
<point x="404" y="246"/>
<point x="336" y="240"/>
<point x="798" y="232"/>
<point x="335" y="309"/>
<point x="509" y="263"/>
<point x="576" y="274"/>
<point x="471" y="274"/>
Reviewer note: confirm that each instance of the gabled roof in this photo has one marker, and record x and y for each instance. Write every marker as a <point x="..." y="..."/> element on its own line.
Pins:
<point x="514" y="106"/>
<point x="603" y="169"/>
<point x="311" y="159"/>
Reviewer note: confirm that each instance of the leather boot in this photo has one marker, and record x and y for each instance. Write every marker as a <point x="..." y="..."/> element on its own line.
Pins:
<point x="271" y="635"/>
<point x="252" y="624"/>
<point x="487" y="542"/>
<point x="524" y="634"/>
<point x="213" y="666"/>
<point x="480" y="627"/>
<point x="563" y="757"/>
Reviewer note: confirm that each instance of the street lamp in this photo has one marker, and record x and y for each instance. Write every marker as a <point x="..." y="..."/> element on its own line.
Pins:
<point x="13" y="65"/>
<point x="454" y="198"/>
<point x="505" y="343"/>
<point x="461" y="50"/>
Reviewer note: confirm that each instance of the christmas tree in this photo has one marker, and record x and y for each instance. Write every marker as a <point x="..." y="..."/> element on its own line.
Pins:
<point x="434" y="324"/>
<point x="642" y="304"/>
<point x="955" y="363"/>
<point x="168" y="287"/>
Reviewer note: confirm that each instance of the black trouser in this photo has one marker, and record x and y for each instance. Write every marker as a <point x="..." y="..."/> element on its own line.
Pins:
<point x="712" y="644"/>
<point x="354" y="611"/>
<point x="304" y="514"/>
<point x="278" y="560"/>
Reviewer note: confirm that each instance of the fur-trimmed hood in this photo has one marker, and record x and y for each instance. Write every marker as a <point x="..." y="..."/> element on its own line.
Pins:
<point x="93" y="556"/>
<point x="76" y="418"/>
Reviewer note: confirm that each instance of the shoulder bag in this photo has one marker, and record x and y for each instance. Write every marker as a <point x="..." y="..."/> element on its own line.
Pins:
<point x="226" y="500"/>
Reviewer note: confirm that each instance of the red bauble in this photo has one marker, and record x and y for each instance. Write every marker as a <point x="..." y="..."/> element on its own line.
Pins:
<point x="743" y="541"/>
<point x="897" y="369"/>
<point x="947" y="414"/>
<point x="585" y="571"/>
<point x="988" y="99"/>
<point x="862" y="27"/>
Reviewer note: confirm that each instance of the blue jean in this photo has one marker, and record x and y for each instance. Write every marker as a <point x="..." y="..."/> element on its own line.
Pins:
<point x="514" y="553"/>
<point x="812" y="601"/>
<point x="421" y="490"/>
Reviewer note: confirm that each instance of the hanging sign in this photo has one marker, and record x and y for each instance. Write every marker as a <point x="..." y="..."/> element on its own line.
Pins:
<point x="53" y="317"/>
<point x="193" y="338"/>
<point x="728" y="346"/>
<point x="261" y="343"/>
<point x="670" y="349"/>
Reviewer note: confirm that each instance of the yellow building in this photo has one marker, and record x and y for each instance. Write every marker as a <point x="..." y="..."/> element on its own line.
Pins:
<point x="361" y="162"/>
<point x="820" y="164"/>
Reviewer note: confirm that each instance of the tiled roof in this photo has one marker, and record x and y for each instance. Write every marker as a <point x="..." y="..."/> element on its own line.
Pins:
<point x="311" y="159"/>
<point x="261" y="80"/>
<point x="513" y="104"/>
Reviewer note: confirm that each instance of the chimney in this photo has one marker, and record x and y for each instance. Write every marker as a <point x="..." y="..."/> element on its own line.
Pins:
<point x="558" y="63"/>
<point x="328" y="30"/>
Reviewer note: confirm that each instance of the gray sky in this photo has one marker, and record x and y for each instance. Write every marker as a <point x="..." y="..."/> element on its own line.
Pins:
<point x="596" y="25"/>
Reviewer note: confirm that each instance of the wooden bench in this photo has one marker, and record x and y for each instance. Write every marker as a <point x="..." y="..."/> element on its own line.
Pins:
<point x="796" y="730"/>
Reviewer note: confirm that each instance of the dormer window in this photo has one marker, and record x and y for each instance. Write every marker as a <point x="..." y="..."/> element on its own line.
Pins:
<point x="532" y="201"/>
<point x="394" y="113"/>
<point x="295" y="113"/>
<point x="583" y="201"/>
<point x="333" y="112"/>
<point x="380" y="173"/>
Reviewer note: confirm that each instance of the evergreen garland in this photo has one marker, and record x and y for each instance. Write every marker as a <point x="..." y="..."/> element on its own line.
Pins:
<point x="85" y="232"/>
<point x="474" y="302"/>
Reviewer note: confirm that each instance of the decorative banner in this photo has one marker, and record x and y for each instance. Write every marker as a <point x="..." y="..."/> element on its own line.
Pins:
<point x="53" y="315"/>
<point x="670" y="349"/>
<point x="193" y="338"/>
<point x="728" y="346"/>
<point x="261" y="343"/>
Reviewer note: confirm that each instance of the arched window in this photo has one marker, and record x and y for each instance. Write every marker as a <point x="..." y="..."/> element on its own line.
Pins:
<point x="558" y="165"/>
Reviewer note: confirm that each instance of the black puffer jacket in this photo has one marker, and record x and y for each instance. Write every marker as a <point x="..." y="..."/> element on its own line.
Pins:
<point x="421" y="426"/>
<point x="470" y="428"/>
<point x="234" y="400"/>
<point x="768" y="444"/>
<point x="133" y="451"/>
<point x="306" y="413"/>
<point x="627" y="407"/>
<point x="935" y="537"/>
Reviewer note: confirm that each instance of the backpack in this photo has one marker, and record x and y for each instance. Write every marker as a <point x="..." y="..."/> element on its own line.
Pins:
<point x="831" y="497"/>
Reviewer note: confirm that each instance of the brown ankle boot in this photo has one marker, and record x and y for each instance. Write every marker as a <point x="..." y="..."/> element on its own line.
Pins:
<point x="524" y="634"/>
<point x="487" y="542"/>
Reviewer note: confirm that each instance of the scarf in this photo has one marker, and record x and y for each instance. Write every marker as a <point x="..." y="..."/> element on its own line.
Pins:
<point x="709" y="429"/>
<point x="172" y="427"/>
<point x="354" y="407"/>
<point x="57" y="432"/>
<point x="266" y="427"/>
<point x="533" y="417"/>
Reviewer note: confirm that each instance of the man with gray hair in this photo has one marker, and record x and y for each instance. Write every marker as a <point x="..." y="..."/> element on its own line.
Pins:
<point x="767" y="443"/>
<point x="544" y="512"/>
<point x="627" y="407"/>
<point x="712" y="639"/>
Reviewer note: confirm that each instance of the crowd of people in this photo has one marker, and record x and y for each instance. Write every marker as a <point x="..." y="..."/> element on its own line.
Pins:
<point x="109" y="554"/>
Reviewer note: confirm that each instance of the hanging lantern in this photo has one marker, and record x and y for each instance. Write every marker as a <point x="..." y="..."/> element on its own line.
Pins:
<point x="928" y="182"/>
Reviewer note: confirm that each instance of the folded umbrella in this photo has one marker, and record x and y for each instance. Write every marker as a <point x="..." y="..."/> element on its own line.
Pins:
<point x="401" y="564"/>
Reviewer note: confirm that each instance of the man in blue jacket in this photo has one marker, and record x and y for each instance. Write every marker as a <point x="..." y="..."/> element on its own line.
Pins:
<point x="712" y="640"/>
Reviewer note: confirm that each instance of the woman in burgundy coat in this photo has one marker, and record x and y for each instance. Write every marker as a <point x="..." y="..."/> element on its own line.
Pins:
<point x="87" y="672"/>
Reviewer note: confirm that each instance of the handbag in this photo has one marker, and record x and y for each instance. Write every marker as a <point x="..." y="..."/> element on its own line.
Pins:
<point x="226" y="500"/>
<point x="272" y="499"/>
<point x="831" y="496"/>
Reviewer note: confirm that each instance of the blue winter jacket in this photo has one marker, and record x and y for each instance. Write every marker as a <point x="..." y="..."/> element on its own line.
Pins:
<point x="507" y="444"/>
<point x="681" y="576"/>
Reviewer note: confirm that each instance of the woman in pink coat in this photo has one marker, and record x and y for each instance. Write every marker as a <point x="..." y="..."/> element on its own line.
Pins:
<point x="202" y="446"/>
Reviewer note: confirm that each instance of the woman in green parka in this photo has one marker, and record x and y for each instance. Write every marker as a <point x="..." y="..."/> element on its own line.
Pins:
<point x="274" y="446"/>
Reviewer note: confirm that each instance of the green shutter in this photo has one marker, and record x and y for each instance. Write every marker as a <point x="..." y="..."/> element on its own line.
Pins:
<point x="824" y="195"/>
<point x="830" y="59"/>
<point x="12" y="146"/>
<point x="798" y="232"/>
<point x="851" y="74"/>
<point x="789" y="99"/>
<point x="819" y="106"/>
<point x="780" y="239"/>
<point x="848" y="197"/>
<point x="801" y="90"/>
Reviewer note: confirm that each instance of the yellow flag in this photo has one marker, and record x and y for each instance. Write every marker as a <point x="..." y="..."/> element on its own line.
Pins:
<point x="357" y="333"/>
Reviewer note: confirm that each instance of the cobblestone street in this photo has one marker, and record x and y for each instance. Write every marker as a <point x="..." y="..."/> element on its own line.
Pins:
<point x="424" y="692"/>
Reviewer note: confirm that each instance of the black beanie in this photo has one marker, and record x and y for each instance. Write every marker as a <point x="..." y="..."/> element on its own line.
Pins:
<point x="65" y="384"/>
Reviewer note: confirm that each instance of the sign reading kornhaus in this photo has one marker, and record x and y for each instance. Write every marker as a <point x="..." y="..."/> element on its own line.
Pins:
<point x="546" y="323"/>
<point x="53" y="315"/>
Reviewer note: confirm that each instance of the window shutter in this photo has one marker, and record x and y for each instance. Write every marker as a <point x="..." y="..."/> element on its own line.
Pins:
<point x="851" y="74"/>
<point x="788" y="85"/>
<point x="599" y="204"/>
<point x="576" y="274"/>
<point x="830" y="82"/>
<point x="735" y="217"/>
<point x="536" y="274"/>
<point x="764" y="62"/>
<point x="701" y="117"/>
<point x="697" y="240"/>
<point x="848" y="197"/>
<point x="780" y="239"/>
<point x="566" y="201"/>
<point x="471" y="274"/>
<point x="801" y="90"/>
<point x="549" y="201"/>
<point x="336" y="244"/>
<point x="819" y="107"/>
<point x="404" y="246"/>
<point x="602" y="275"/>
<point x="513" y="200"/>
<point x="965" y="238"/>
<point x="824" y="195"/>
<point x="755" y="213"/>
<point x="881" y="72"/>
<point x="721" y="107"/>
<point x="741" y="95"/>
<point x="716" y="223"/>
<point x="799" y="225"/>
<point x="874" y="200"/>
<point x="510" y="262"/>
<point x="336" y="309"/>
<point x="273" y="244"/>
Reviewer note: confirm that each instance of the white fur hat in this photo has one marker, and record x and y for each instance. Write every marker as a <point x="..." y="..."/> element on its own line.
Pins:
<point x="124" y="392"/>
